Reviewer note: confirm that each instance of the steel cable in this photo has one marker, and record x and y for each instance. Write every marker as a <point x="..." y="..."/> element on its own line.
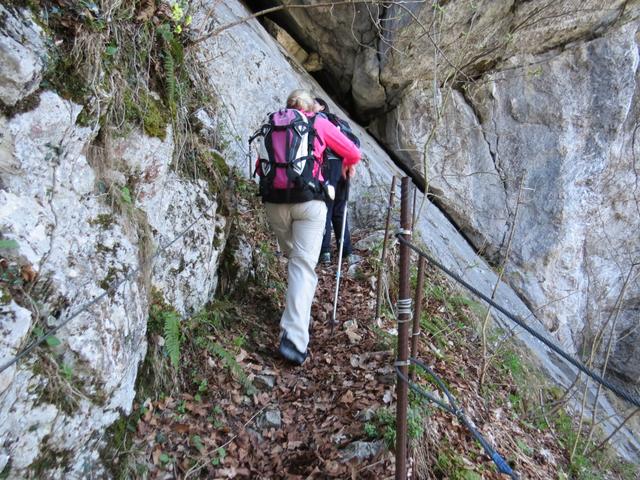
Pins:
<point x="576" y="363"/>
<point x="453" y="408"/>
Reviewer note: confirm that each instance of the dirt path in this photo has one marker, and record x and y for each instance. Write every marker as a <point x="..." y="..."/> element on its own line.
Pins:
<point x="299" y="422"/>
<point x="242" y="412"/>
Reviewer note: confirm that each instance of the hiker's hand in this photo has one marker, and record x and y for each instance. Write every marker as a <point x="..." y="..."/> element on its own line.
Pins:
<point x="348" y="172"/>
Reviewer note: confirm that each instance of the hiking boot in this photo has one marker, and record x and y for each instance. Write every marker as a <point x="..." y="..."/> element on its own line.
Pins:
<point x="325" y="258"/>
<point x="289" y="352"/>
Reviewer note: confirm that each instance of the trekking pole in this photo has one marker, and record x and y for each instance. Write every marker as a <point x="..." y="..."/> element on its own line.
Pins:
<point x="344" y="225"/>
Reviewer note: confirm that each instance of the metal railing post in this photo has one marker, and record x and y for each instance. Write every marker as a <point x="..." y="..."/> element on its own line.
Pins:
<point x="418" y="311"/>
<point x="404" y="318"/>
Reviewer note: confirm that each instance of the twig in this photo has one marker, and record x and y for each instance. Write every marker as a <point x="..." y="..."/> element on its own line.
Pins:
<point x="197" y="467"/>
<point x="485" y="323"/>
<point x="384" y="248"/>
<point x="372" y="465"/>
<point x="618" y="306"/>
<point x="604" y="442"/>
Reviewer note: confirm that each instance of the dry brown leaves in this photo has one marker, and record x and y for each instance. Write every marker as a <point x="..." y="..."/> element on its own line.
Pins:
<point x="226" y="433"/>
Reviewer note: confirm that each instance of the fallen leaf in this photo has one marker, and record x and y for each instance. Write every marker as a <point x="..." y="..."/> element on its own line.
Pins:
<point x="230" y="472"/>
<point x="155" y="455"/>
<point x="181" y="427"/>
<point x="347" y="397"/>
<point x="353" y="337"/>
<point x="28" y="273"/>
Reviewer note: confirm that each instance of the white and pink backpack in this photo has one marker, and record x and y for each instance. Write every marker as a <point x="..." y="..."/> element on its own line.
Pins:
<point x="286" y="164"/>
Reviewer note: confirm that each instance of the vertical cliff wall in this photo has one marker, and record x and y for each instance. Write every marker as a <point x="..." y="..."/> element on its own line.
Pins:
<point x="79" y="220"/>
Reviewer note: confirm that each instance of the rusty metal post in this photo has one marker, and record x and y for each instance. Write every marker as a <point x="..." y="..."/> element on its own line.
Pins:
<point x="418" y="310"/>
<point x="392" y="195"/>
<point x="404" y="318"/>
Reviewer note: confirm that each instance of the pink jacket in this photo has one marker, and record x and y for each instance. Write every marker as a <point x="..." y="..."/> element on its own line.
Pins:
<point x="328" y="135"/>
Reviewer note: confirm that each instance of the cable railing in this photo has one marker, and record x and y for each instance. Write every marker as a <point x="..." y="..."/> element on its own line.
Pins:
<point x="403" y="361"/>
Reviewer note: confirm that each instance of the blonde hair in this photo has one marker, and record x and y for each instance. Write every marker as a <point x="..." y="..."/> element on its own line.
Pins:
<point x="301" y="100"/>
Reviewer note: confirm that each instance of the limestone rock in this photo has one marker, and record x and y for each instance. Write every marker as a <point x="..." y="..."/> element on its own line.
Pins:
<point x="288" y="43"/>
<point x="336" y="33"/>
<point x="185" y="272"/>
<point x="366" y="89"/>
<point x="15" y="323"/>
<point x="361" y="451"/>
<point x="271" y="418"/>
<point x="50" y="207"/>
<point x="457" y="166"/>
<point x="313" y="63"/>
<point x="564" y="130"/>
<point x="371" y="241"/>
<point x="21" y="55"/>
<point x="265" y="381"/>
<point x="67" y="232"/>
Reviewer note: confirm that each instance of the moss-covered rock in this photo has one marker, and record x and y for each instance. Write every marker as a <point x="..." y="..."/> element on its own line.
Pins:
<point x="148" y="112"/>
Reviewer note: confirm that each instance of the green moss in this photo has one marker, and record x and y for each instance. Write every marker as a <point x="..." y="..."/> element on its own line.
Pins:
<point x="5" y="296"/>
<point x="63" y="77"/>
<point x="450" y="464"/>
<point x="104" y="220"/>
<point x="106" y="282"/>
<point x="180" y="268"/>
<point x="119" y="439"/>
<point x="511" y="363"/>
<point x="27" y="104"/>
<point x="53" y="388"/>
<point x="100" y="248"/>
<point x="148" y="113"/>
<point x="220" y="164"/>
<point x="85" y="119"/>
<point x="158" y="306"/>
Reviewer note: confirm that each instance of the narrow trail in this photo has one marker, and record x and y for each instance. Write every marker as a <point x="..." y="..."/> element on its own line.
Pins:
<point x="299" y="422"/>
<point x="325" y="403"/>
<point x="240" y="411"/>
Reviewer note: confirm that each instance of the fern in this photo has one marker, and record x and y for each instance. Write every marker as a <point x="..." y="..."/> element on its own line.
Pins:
<point x="172" y="336"/>
<point x="170" y="78"/>
<point x="236" y="369"/>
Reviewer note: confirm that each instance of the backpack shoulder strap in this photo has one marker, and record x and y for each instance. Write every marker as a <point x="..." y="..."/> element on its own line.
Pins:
<point x="345" y="128"/>
<point x="312" y="135"/>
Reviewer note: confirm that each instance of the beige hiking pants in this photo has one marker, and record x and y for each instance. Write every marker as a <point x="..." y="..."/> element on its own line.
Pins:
<point x="299" y="228"/>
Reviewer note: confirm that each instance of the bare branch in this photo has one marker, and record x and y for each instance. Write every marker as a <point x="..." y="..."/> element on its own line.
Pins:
<point x="266" y="11"/>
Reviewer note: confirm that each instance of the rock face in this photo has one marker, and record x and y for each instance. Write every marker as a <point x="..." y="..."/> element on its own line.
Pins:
<point x="548" y="152"/>
<point x="21" y="61"/>
<point x="521" y="119"/>
<point x="58" y="187"/>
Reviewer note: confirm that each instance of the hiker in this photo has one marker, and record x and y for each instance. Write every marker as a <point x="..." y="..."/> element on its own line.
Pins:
<point x="293" y="190"/>
<point x="332" y="171"/>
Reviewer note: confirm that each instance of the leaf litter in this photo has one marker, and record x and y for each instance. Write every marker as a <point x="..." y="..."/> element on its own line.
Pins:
<point x="299" y="420"/>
